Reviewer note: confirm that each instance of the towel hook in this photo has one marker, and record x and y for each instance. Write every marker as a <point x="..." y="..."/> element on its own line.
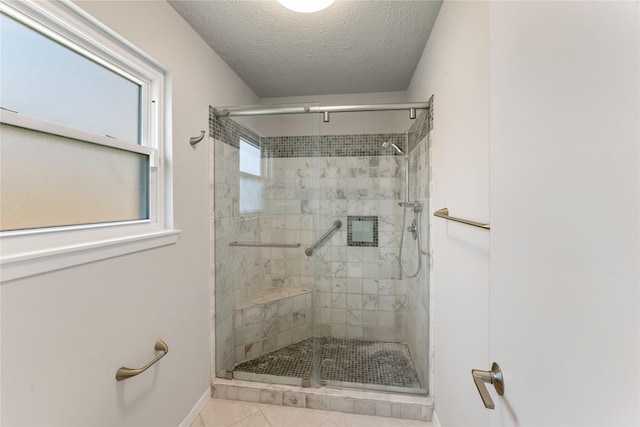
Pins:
<point x="195" y="139"/>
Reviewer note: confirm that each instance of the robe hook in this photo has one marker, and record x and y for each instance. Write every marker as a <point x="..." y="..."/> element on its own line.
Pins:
<point x="195" y="139"/>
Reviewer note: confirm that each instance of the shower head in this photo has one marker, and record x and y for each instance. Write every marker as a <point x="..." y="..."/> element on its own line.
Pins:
<point x="388" y="144"/>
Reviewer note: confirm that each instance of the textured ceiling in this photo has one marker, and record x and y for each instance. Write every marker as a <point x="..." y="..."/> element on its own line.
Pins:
<point x="351" y="47"/>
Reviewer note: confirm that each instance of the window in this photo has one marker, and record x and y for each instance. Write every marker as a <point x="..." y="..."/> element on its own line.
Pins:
<point x="250" y="178"/>
<point x="82" y="159"/>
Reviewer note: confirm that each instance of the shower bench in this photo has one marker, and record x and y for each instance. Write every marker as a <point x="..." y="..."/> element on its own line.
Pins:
<point x="269" y="319"/>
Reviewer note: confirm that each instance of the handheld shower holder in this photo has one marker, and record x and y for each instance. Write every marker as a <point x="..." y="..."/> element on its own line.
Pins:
<point x="417" y="206"/>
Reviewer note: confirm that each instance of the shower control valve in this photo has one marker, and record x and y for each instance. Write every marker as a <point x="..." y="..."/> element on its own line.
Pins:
<point x="413" y="229"/>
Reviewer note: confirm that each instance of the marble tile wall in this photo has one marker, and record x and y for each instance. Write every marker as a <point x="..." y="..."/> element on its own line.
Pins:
<point x="235" y="269"/>
<point x="406" y="407"/>
<point x="271" y="319"/>
<point x="418" y="288"/>
<point x="358" y="293"/>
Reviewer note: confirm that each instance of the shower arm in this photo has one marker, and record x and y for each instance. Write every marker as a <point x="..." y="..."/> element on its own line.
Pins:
<point x="407" y="199"/>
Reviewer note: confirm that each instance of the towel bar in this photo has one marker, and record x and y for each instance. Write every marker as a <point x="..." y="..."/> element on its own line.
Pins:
<point x="265" y="245"/>
<point x="444" y="213"/>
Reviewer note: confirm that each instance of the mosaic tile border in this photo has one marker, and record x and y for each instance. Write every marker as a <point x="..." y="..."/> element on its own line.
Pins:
<point x="430" y="123"/>
<point x="230" y="132"/>
<point x="350" y="220"/>
<point x="330" y="145"/>
<point x="418" y="130"/>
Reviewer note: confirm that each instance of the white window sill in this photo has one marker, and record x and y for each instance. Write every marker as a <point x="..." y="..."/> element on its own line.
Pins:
<point x="31" y="263"/>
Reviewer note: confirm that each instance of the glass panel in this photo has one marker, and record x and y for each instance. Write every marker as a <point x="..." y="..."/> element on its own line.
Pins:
<point x="70" y="90"/>
<point x="50" y="181"/>
<point x="368" y="318"/>
<point x="264" y="295"/>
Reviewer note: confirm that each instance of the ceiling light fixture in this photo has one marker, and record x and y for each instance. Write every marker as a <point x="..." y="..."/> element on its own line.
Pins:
<point x="306" y="6"/>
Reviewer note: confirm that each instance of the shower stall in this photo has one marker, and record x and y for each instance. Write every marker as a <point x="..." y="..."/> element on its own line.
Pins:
<point x="320" y="273"/>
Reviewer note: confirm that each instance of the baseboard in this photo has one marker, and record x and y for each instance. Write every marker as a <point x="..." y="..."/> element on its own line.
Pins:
<point x="435" y="420"/>
<point x="197" y="408"/>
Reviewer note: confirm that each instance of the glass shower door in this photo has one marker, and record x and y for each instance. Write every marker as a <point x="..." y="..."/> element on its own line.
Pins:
<point x="341" y="315"/>
<point x="364" y="306"/>
<point x="262" y="190"/>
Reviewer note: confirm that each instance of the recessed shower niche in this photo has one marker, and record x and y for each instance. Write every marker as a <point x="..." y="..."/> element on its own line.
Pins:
<point x="362" y="230"/>
<point x="343" y="315"/>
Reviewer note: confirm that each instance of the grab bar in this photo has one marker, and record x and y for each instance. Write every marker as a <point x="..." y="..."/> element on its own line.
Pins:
<point x="124" y="373"/>
<point x="265" y="245"/>
<point x="444" y="213"/>
<point x="336" y="225"/>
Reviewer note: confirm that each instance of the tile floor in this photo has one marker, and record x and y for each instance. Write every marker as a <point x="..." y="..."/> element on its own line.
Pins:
<point x="224" y="413"/>
<point x="343" y="360"/>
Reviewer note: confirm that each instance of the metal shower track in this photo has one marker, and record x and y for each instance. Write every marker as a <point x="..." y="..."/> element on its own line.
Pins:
<point x="325" y="111"/>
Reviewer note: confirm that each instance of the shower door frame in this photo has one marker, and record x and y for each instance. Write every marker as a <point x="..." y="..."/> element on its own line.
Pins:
<point x="315" y="380"/>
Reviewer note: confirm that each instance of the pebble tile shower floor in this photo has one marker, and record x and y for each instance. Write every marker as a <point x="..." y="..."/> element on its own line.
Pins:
<point x="342" y="360"/>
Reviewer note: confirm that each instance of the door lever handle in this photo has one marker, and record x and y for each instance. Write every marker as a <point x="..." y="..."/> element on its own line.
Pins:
<point x="494" y="376"/>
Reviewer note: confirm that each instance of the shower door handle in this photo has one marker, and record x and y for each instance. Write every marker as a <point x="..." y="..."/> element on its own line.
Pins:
<point x="494" y="376"/>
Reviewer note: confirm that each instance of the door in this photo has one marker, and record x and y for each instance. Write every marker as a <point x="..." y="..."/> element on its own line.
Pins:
<point x="564" y="284"/>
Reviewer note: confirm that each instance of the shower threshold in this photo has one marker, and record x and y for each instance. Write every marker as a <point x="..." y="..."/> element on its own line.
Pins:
<point x="351" y="363"/>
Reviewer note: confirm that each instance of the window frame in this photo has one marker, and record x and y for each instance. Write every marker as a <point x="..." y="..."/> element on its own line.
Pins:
<point x="252" y="177"/>
<point x="34" y="251"/>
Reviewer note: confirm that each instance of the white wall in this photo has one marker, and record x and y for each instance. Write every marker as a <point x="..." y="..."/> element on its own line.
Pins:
<point x="64" y="334"/>
<point x="341" y="123"/>
<point x="455" y="69"/>
<point x="565" y="237"/>
<point x="560" y="142"/>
